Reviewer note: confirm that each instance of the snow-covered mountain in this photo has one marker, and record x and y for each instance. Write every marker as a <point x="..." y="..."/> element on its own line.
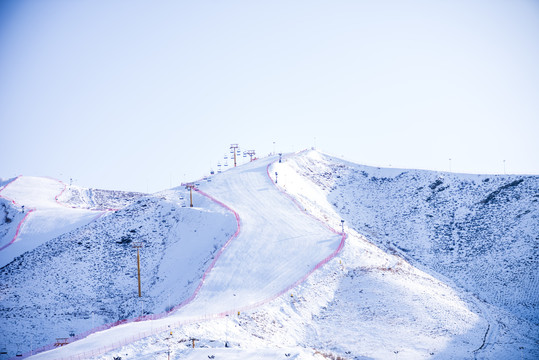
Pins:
<point x="478" y="233"/>
<point x="88" y="276"/>
<point x="37" y="210"/>
<point x="481" y="231"/>
<point x="434" y="266"/>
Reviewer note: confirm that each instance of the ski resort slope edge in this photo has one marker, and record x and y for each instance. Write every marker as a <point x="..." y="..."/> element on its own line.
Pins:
<point x="278" y="247"/>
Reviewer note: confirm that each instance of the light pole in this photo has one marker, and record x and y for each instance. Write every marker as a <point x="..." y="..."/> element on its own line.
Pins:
<point x="276" y="177"/>
<point x="138" y="245"/>
<point x="342" y="226"/>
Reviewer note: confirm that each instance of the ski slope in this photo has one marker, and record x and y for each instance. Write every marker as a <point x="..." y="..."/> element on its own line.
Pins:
<point x="277" y="247"/>
<point x="42" y="217"/>
<point x="366" y="303"/>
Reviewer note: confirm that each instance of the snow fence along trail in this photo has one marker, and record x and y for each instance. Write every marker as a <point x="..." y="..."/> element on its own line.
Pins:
<point x="45" y="218"/>
<point x="277" y="248"/>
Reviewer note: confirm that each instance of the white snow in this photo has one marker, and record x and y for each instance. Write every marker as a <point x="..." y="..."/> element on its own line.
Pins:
<point x="47" y="220"/>
<point x="276" y="292"/>
<point x="278" y="245"/>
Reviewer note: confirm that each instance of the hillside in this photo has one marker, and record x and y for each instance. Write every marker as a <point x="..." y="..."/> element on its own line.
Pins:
<point x="87" y="276"/>
<point x="35" y="212"/>
<point x="285" y="286"/>
<point x="481" y="231"/>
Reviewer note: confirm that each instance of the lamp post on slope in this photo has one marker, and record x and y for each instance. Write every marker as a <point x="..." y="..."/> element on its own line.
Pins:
<point x="138" y="245"/>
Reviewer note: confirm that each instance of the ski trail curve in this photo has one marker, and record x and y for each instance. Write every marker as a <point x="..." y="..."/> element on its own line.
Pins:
<point x="276" y="247"/>
<point x="279" y="247"/>
<point x="45" y="216"/>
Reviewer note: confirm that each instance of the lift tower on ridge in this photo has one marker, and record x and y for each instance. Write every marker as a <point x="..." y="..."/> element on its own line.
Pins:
<point x="251" y="153"/>
<point x="190" y="186"/>
<point x="233" y="148"/>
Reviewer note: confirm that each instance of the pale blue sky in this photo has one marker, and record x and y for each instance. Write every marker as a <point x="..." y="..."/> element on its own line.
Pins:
<point x="135" y="94"/>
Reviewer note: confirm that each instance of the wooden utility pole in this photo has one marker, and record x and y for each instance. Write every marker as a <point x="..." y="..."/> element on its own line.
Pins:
<point x="233" y="148"/>
<point x="138" y="245"/>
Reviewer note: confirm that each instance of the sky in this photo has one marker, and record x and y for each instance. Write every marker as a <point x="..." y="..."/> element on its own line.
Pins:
<point x="143" y="95"/>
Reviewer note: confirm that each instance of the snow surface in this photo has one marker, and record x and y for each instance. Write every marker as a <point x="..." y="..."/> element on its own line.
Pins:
<point x="474" y="232"/>
<point x="479" y="230"/>
<point x="87" y="277"/>
<point x="45" y="219"/>
<point x="377" y="299"/>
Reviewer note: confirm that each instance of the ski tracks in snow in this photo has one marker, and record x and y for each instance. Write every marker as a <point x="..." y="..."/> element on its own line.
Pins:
<point x="491" y="334"/>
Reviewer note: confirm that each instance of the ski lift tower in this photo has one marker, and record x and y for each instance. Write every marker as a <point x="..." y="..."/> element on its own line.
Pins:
<point x="251" y="153"/>
<point x="233" y="148"/>
<point x="190" y="187"/>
